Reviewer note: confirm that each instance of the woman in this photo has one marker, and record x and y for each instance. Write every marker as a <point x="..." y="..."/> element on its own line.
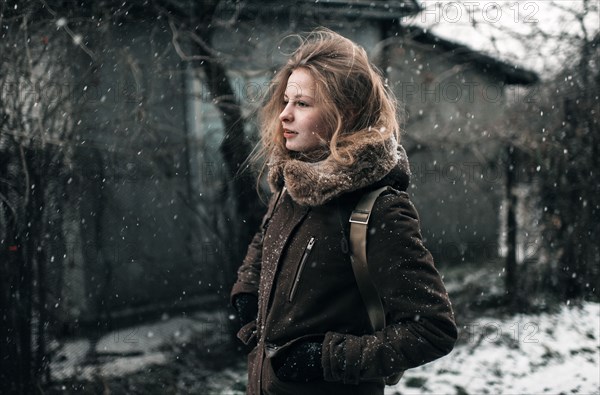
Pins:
<point x="330" y="132"/>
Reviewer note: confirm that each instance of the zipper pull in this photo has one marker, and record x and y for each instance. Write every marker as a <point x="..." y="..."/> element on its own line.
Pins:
<point x="300" y="269"/>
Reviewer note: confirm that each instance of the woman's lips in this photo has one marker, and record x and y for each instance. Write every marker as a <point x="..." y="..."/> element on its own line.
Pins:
<point x="289" y="133"/>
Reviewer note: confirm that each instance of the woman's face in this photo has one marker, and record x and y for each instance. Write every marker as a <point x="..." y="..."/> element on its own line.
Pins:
<point x="302" y="118"/>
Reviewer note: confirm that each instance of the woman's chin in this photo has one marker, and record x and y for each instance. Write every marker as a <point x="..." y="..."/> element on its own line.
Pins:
<point x="290" y="146"/>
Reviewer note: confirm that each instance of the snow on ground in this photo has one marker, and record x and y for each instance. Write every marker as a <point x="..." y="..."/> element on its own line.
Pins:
<point x="525" y="354"/>
<point x="133" y="349"/>
<point x="547" y="353"/>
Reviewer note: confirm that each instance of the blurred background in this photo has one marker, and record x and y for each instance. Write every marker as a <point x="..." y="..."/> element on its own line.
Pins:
<point x="126" y="202"/>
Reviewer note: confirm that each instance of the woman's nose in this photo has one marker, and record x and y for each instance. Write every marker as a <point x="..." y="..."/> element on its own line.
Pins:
<point x="286" y="114"/>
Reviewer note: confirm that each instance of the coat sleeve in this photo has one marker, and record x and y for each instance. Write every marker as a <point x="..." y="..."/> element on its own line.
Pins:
<point x="420" y="323"/>
<point x="248" y="274"/>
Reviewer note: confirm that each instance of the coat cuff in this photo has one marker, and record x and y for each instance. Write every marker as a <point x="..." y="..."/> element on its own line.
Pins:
<point x="247" y="334"/>
<point x="341" y="358"/>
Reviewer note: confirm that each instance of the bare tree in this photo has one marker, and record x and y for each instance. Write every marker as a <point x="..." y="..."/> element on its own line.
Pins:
<point x="551" y="137"/>
<point x="192" y="29"/>
<point x="558" y="139"/>
<point x="35" y="135"/>
<point x="42" y="101"/>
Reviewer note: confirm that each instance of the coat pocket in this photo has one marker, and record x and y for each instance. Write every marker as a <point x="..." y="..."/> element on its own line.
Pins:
<point x="300" y="268"/>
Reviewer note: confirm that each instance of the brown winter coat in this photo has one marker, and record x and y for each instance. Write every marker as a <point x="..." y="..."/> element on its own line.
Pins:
<point x="312" y="295"/>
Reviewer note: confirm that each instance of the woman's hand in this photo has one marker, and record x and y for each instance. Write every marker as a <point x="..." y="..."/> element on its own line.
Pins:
<point x="301" y="363"/>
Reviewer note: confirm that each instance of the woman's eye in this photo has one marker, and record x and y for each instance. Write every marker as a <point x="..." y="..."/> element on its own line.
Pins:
<point x="302" y="104"/>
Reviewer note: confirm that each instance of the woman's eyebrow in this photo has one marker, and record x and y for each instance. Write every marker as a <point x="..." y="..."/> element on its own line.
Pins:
<point x="298" y="96"/>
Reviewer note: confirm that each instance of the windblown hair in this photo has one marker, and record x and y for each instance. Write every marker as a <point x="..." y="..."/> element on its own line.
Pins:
<point x="351" y="92"/>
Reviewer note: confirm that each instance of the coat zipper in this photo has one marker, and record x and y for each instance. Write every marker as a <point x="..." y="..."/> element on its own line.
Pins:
<point x="303" y="260"/>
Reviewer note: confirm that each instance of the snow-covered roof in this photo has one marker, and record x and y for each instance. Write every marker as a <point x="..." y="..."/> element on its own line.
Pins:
<point x="540" y="35"/>
<point x="506" y="72"/>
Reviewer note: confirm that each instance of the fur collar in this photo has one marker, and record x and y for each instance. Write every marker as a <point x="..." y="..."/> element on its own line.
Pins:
<point x="316" y="183"/>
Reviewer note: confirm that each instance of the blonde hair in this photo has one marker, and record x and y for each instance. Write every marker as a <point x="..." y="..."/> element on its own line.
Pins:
<point x="355" y="100"/>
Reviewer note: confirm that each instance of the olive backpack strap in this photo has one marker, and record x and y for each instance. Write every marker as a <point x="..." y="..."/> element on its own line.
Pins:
<point x="359" y="223"/>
